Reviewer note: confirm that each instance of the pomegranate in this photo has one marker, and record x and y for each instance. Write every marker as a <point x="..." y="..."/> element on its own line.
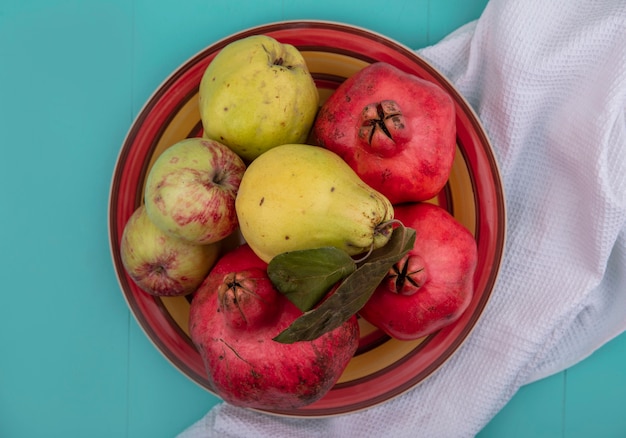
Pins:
<point x="234" y="316"/>
<point x="396" y="130"/>
<point x="433" y="284"/>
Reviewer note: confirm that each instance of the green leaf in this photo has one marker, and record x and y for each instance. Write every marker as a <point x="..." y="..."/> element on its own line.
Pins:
<point x="305" y="276"/>
<point x="353" y="292"/>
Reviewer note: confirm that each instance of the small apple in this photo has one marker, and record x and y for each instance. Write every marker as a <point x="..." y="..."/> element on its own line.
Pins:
<point x="160" y="264"/>
<point x="433" y="284"/>
<point x="396" y="130"/>
<point x="191" y="188"/>
<point x="257" y="93"/>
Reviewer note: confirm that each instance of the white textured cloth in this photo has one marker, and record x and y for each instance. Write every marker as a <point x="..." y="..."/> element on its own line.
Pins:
<point x="548" y="81"/>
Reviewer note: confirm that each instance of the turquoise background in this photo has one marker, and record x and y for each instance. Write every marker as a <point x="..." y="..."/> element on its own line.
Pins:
<point x="73" y="75"/>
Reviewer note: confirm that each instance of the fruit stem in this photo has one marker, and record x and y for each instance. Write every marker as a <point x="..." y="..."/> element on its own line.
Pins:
<point x="369" y="252"/>
<point x="382" y="228"/>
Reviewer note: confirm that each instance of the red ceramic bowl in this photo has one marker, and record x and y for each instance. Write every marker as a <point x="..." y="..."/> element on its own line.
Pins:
<point x="382" y="368"/>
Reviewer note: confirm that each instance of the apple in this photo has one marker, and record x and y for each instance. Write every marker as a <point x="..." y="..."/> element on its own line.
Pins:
<point x="396" y="130"/>
<point x="160" y="264"/>
<point x="257" y="93"/>
<point x="433" y="284"/>
<point x="191" y="188"/>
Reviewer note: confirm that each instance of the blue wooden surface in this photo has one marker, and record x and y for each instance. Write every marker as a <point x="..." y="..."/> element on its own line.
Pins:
<point x="73" y="75"/>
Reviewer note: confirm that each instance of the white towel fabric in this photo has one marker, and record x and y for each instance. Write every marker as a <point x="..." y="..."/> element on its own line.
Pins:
<point x="548" y="81"/>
